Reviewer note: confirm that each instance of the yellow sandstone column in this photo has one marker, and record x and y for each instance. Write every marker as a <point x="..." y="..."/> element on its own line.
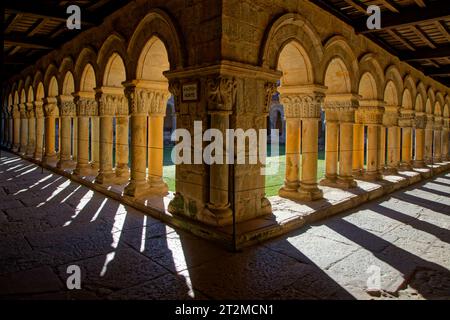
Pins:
<point x="38" y="153"/>
<point x="331" y="151"/>
<point x="358" y="150"/>
<point x="68" y="110"/>
<point x="382" y="149"/>
<point x="340" y="116"/>
<point x="444" y="139"/>
<point x="16" y="138"/>
<point x="74" y="137"/>
<point x="420" y="120"/>
<point x="392" y="162"/>
<point x="138" y="99"/>
<point x="107" y="99"/>
<point x="292" y="172"/>
<point x="51" y="112"/>
<point x="122" y="153"/>
<point x="95" y="143"/>
<point x="437" y="139"/>
<point x="23" y="129"/>
<point x="429" y="139"/>
<point x="86" y="107"/>
<point x="31" y="130"/>
<point x="406" y="148"/>
<point x="372" y="113"/>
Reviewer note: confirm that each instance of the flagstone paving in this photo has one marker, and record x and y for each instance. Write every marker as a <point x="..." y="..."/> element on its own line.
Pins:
<point x="48" y="223"/>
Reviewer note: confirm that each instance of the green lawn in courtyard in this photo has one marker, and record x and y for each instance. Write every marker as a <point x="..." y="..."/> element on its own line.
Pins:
<point x="273" y="182"/>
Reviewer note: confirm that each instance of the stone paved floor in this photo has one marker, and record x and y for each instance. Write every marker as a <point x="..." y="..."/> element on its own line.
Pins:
<point x="48" y="223"/>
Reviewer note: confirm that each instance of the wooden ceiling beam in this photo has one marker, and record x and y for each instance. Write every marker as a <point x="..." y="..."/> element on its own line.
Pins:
<point x="423" y="36"/>
<point x="426" y="53"/>
<point x="440" y="25"/>
<point x="10" y="24"/>
<point x="35" y="28"/>
<point x="435" y="11"/>
<point x="357" y="5"/>
<point x="390" y="5"/>
<point x="399" y="38"/>
<point x="39" y="11"/>
<point x="27" y="42"/>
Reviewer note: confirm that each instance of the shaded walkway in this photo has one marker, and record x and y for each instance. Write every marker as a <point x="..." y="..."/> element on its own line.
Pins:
<point x="48" y="222"/>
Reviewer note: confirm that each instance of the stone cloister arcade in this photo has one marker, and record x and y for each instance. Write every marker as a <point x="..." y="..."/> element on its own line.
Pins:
<point x="95" y="108"/>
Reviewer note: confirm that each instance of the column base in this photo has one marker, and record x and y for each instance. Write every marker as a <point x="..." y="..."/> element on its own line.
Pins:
<point x="405" y="166"/>
<point x="371" y="176"/>
<point x="15" y="148"/>
<point x="390" y="171"/>
<point x="108" y="178"/>
<point x="288" y="192"/>
<point x="346" y="182"/>
<point x="23" y="150"/>
<point x="50" y="158"/>
<point x="30" y="153"/>
<point x="419" y="164"/>
<point x="309" y="192"/>
<point x="216" y="215"/>
<point x="266" y="206"/>
<point x="122" y="171"/>
<point x="82" y="170"/>
<point x="64" y="164"/>
<point x="157" y="186"/>
<point x="329" y="181"/>
<point x="137" y="189"/>
<point x="37" y="156"/>
<point x="357" y="173"/>
<point x="437" y="159"/>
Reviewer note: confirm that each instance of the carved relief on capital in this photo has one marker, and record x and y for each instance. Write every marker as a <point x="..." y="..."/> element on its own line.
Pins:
<point x="16" y="112"/>
<point x="106" y="104"/>
<point x="39" y="109"/>
<point x="302" y="105"/>
<point x="147" y="101"/>
<point x="341" y="110"/>
<point x="68" y="109"/>
<point x="420" y="121"/>
<point x="446" y="124"/>
<point x="437" y="125"/>
<point x="86" y="107"/>
<point x="221" y="93"/>
<point x="50" y="109"/>
<point x="369" y="115"/>
<point x="30" y="110"/>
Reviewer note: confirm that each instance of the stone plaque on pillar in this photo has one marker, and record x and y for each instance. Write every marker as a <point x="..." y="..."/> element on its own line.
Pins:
<point x="190" y="91"/>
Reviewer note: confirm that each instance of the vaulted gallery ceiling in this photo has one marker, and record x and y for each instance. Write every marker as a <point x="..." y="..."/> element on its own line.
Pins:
<point x="416" y="31"/>
<point x="33" y="28"/>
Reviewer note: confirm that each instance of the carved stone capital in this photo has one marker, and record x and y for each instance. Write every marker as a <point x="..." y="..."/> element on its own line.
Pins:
<point x="420" y="121"/>
<point x="111" y="104"/>
<point x="86" y="106"/>
<point x="340" y="110"/>
<point x="437" y="125"/>
<point x="39" y="109"/>
<point x="30" y="110"/>
<point x="146" y="101"/>
<point x="270" y="88"/>
<point x="302" y="105"/>
<point x="221" y="93"/>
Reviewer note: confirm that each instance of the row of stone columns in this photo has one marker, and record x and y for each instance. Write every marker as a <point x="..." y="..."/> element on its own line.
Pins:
<point x="364" y="139"/>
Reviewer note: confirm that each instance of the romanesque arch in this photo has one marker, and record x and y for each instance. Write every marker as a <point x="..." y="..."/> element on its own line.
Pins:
<point x="157" y="24"/>
<point x="292" y="45"/>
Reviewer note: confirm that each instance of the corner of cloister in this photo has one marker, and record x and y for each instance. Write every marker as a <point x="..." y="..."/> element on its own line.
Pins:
<point x="353" y="121"/>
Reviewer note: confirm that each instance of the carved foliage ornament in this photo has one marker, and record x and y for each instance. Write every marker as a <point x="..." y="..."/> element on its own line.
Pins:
<point x="221" y="93"/>
<point x="112" y="104"/>
<point x="270" y="88"/>
<point x="68" y="109"/>
<point x="51" y="109"/>
<point x="420" y="121"/>
<point x="147" y="101"/>
<point x="343" y="111"/>
<point x="175" y="90"/>
<point x="86" y="107"/>
<point x="302" y="106"/>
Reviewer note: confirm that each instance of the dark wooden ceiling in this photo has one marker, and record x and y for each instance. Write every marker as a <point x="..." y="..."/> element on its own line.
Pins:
<point x="416" y="31"/>
<point x="32" y="28"/>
